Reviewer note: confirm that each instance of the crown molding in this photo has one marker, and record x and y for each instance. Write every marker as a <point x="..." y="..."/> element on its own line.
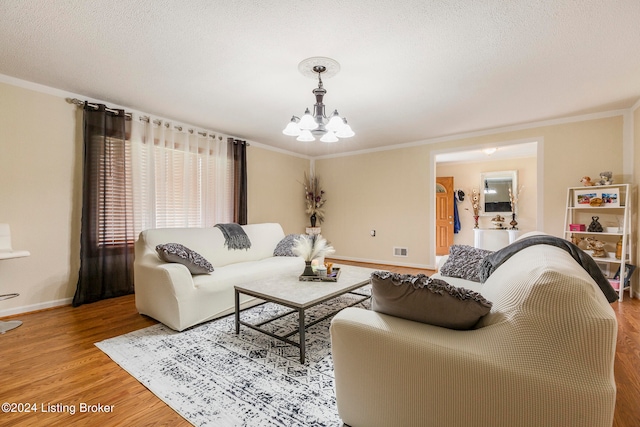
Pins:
<point x="493" y="131"/>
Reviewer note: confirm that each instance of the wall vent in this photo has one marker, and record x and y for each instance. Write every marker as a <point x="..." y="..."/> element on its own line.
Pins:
<point x="400" y="252"/>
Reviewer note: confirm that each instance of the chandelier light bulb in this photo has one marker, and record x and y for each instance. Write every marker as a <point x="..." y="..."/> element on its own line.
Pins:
<point x="329" y="137"/>
<point x="305" y="136"/>
<point x="292" y="129"/>
<point x="346" y="131"/>
<point x="335" y="123"/>
<point x="307" y="122"/>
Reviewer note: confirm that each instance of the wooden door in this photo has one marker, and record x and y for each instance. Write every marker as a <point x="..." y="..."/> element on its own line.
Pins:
<point x="444" y="214"/>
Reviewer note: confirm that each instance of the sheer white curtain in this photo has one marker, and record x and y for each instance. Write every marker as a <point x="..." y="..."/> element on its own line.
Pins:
<point x="181" y="177"/>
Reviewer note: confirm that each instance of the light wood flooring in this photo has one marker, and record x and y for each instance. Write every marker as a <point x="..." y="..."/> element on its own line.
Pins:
<point x="51" y="360"/>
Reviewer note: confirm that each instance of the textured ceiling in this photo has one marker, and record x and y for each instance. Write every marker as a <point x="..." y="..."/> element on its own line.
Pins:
<point x="410" y="70"/>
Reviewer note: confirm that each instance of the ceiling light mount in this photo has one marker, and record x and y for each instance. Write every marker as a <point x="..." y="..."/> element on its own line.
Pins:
<point x="309" y="126"/>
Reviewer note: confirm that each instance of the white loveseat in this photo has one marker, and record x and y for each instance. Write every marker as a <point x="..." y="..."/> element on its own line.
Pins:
<point x="543" y="356"/>
<point x="169" y="293"/>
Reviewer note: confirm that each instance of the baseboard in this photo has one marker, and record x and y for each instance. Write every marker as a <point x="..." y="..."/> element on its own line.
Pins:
<point x="35" y="307"/>
<point x="385" y="262"/>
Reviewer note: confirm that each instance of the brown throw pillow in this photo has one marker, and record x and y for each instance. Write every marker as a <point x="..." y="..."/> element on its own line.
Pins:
<point x="422" y="299"/>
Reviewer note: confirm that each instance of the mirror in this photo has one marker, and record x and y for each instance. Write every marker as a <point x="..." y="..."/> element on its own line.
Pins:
<point x="494" y="192"/>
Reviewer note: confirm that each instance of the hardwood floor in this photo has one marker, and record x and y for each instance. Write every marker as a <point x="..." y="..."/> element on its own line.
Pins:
<point x="51" y="363"/>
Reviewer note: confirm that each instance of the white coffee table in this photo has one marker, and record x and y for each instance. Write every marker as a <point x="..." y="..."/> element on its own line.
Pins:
<point x="289" y="291"/>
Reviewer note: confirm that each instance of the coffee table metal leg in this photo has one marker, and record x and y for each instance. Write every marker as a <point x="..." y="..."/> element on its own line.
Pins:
<point x="301" y="334"/>
<point x="237" y="312"/>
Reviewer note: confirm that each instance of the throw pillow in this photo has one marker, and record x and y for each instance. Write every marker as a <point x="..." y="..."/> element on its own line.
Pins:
<point x="285" y="246"/>
<point x="175" y="252"/>
<point x="464" y="262"/>
<point x="423" y="299"/>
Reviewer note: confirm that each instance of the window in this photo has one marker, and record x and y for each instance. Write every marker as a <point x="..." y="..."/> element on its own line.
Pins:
<point x="114" y="194"/>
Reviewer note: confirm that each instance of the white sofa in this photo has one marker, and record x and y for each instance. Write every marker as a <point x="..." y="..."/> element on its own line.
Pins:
<point x="169" y="293"/>
<point x="543" y="356"/>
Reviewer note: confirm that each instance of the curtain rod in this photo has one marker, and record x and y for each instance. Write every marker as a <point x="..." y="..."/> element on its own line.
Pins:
<point x="158" y="122"/>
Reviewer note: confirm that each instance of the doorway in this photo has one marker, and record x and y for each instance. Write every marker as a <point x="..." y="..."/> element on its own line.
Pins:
<point x="444" y="214"/>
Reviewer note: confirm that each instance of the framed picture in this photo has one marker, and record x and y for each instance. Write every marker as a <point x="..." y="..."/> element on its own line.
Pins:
<point x="611" y="197"/>
<point x="628" y="272"/>
<point x="583" y="197"/>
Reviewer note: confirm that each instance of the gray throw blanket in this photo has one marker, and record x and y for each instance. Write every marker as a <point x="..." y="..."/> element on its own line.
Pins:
<point x="234" y="236"/>
<point x="491" y="262"/>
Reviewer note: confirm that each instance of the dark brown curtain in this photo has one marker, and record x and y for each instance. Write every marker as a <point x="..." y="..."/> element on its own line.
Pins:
<point x="106" y="252"/>
<point x="239" y="149"/>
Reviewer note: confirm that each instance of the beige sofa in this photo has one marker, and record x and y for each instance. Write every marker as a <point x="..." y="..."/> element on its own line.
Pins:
<point x="169" y="293"/>
<point x="543" y="356"/>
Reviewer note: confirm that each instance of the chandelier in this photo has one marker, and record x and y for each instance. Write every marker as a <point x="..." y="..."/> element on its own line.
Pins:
<point x="310" y="126"/>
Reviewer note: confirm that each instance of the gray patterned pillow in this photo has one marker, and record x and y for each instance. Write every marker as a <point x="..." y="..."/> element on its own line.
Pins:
<point x="175" y="252"/>
<point x="464" y="262"/>
<point x="285" y="246"/>
<point x="423" y="299"/>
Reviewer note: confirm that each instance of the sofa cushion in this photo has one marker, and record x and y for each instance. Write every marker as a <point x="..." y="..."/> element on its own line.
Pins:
<point x="464" y="262"/>
<point x="175" y="252"/>
<point x="422" y="299"/>
<point x="285" y="246"/>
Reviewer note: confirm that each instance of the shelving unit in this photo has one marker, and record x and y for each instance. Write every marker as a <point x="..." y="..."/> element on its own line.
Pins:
<point x="616" y="222"/>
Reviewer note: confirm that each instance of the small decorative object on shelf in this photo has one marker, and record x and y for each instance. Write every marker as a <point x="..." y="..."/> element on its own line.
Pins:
<point x="596" y="201"/>
<point x="597" y="247"/>
<point x="606" y="178"/>
<point x="586" y="181"/>
<point x="595" y="226"/>
<point x="498" y="222"/>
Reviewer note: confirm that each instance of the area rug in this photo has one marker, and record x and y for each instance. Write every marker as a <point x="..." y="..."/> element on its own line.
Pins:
<point x="213" y="377"/>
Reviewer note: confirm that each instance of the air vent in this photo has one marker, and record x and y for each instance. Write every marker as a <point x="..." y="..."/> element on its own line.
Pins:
<point x="400" y="252"/>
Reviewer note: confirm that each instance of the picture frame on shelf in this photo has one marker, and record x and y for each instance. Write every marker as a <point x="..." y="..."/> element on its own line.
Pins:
<point x="583" y="198"/>
<point x="611" y="197"/>
<point x="628" y="272"/>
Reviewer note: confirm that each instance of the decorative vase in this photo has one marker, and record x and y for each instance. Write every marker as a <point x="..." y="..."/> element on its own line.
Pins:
<point x="595" y="226"/>
<point x="313" y="220"/>
<point x="475" y="218"/>
<point x="308" y="271"/>
<point x="513" y="221"/>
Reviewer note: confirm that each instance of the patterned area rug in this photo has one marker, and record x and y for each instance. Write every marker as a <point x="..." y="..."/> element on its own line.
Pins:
<point x="213" y="377"/>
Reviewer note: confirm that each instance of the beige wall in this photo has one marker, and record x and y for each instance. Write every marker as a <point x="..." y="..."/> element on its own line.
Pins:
<point x="384" y="191"/>
<point x="40" y="195"/>
<point x="467" y="176"/>
<point x="392" y="190"/>
<point x="275" y="189"/>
